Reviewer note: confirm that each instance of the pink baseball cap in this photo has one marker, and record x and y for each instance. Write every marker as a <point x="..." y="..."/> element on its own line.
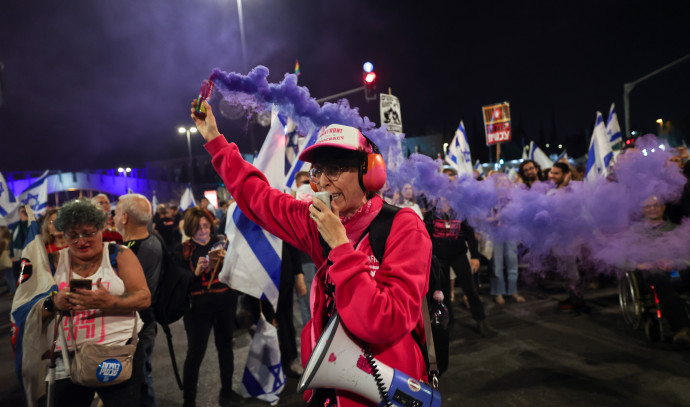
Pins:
<point x="338" y="136"/>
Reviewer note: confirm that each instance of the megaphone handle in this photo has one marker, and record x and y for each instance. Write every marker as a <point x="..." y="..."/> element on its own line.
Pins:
<point x="377" y="377"/>
<point x="433" y="379"/>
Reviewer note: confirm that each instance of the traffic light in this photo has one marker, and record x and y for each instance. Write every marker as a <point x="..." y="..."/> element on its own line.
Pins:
<point x="369" y="77"/>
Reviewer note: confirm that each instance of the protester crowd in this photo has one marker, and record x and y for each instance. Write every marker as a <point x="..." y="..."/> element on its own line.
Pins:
<point x="123" y="251"/>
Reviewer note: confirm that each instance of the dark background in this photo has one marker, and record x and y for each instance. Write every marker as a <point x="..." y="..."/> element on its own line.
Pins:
<point x="101" y="84"/>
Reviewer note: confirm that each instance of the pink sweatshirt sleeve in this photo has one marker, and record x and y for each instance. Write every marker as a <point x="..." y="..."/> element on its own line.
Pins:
<point x="385" y="308"/>
<point x="277" y="212"/>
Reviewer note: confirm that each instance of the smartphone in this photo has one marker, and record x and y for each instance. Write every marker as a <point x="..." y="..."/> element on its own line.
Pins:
<point x="325" y="197"/>
<point x="82" y="283"/>
<point x="204" y="94"/>
<point x="216" y="248"/>
<point x="219" y="245"/>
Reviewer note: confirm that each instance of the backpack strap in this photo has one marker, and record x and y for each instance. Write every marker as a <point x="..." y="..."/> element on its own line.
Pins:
<point x="380" y="228"/>
<point x="112" y="254"/>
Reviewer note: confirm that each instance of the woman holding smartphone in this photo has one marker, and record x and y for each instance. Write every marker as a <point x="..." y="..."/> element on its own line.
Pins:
<point x="212" y="305"/>
<point x="101" y="288"/>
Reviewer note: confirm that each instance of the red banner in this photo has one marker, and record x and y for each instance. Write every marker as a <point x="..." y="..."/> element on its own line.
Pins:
<point x="497" y="123"/>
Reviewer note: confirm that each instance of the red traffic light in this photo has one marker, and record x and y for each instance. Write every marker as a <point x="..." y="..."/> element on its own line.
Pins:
<point x="369" y="77"/>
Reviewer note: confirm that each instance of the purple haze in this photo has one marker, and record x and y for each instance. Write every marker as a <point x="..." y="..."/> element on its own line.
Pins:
<point x="589" y="219"/>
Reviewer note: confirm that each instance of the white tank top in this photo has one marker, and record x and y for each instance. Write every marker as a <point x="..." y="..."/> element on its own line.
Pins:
<point x="91" y="325"/>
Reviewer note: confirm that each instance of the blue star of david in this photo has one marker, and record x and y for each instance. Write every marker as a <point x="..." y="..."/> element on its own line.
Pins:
<point x="466" y="156"/>
<point x="31" y="200"/>
<point x="293" y="141"/>
<point x="279" y="380"/>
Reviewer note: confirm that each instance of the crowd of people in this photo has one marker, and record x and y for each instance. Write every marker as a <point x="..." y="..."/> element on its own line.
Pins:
<point x="328" y="261"/>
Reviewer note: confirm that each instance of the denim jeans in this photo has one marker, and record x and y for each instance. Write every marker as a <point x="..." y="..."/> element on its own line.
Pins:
<point x="148" y="391"/>
<point x="504" y="251"/>
<point x="8" y="274"/>
<point x="309" y="270"/>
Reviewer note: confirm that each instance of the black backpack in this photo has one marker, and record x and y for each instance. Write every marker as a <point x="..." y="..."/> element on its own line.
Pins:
<point x="173" y="298"/>
<point x="173" y="289"/>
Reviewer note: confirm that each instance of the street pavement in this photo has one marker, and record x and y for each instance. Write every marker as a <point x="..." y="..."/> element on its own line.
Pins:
<point x="533" y="356"/>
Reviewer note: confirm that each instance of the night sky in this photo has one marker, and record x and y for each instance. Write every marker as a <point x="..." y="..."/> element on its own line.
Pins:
<point x="99" y="84"/>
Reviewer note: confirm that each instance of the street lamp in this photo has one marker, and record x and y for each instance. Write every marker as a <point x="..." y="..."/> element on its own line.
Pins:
<point x="660" y="122"/>
<point x="628" y="87"/>
<point x="244" y="46"/>
<point x="189" y="130"/>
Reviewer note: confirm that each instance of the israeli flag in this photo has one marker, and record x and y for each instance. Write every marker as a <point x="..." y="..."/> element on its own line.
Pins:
<point x="31" y="337"/>
<point x="537" y="155"/>
<point x="36" y="195"/>
<point x="187" y="199"/>
<point x="292" y="147"/>
<point x="478" y="166"/>
<point x="298" y="165"/>
<point x="263" y="376"/>
<point x="252" y="263"/>
<point x="599" y="155"/>
<point x="613" y="129"/>
<point x="252" y="266"/>
<point x="459" y="156"/>
<point x="562" y="155"/>
<point x="8" y="202"/>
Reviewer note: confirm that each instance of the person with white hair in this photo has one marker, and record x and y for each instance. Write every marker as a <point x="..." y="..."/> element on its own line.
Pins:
<point x="133" y="215"/>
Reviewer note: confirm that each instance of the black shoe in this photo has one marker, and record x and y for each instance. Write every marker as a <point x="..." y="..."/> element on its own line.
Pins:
<point x="230" y="399"/>
<point x="482" y="328"/>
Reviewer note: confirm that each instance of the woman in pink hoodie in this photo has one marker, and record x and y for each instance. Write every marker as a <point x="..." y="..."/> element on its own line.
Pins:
<point x="380" y="304"/>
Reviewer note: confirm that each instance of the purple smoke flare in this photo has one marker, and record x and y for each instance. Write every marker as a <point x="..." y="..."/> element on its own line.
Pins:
<point x="588" y="219"/>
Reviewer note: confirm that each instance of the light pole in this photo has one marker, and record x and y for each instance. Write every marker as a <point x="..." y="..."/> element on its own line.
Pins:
<point x="189" y="131"/>
<point x="244" y="46"/>
<point x="660" y="122"/>
<point x="628" y="87"/>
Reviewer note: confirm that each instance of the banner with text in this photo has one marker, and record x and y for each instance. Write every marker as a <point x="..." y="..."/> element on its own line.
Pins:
<point x="497" y="123"/>
<point x="390" y="113"/>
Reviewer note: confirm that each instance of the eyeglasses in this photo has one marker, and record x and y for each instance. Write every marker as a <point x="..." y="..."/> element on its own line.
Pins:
<point x="74" y="238"/>
<point x="331" y="172"/>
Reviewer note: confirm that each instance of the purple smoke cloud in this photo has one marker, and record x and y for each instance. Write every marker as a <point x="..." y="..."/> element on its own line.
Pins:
<point x="588" y="219"/>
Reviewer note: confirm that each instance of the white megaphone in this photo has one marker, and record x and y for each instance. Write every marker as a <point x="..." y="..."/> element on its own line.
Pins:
<point x="338" y="362"/>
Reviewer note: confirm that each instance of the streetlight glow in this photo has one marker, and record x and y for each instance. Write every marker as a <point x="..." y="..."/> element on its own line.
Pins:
<point x="188" y="131"/>
<point x="660" y="121"/>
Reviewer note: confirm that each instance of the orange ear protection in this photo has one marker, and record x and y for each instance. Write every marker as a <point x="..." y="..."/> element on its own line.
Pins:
<point x="371" y="172"/>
